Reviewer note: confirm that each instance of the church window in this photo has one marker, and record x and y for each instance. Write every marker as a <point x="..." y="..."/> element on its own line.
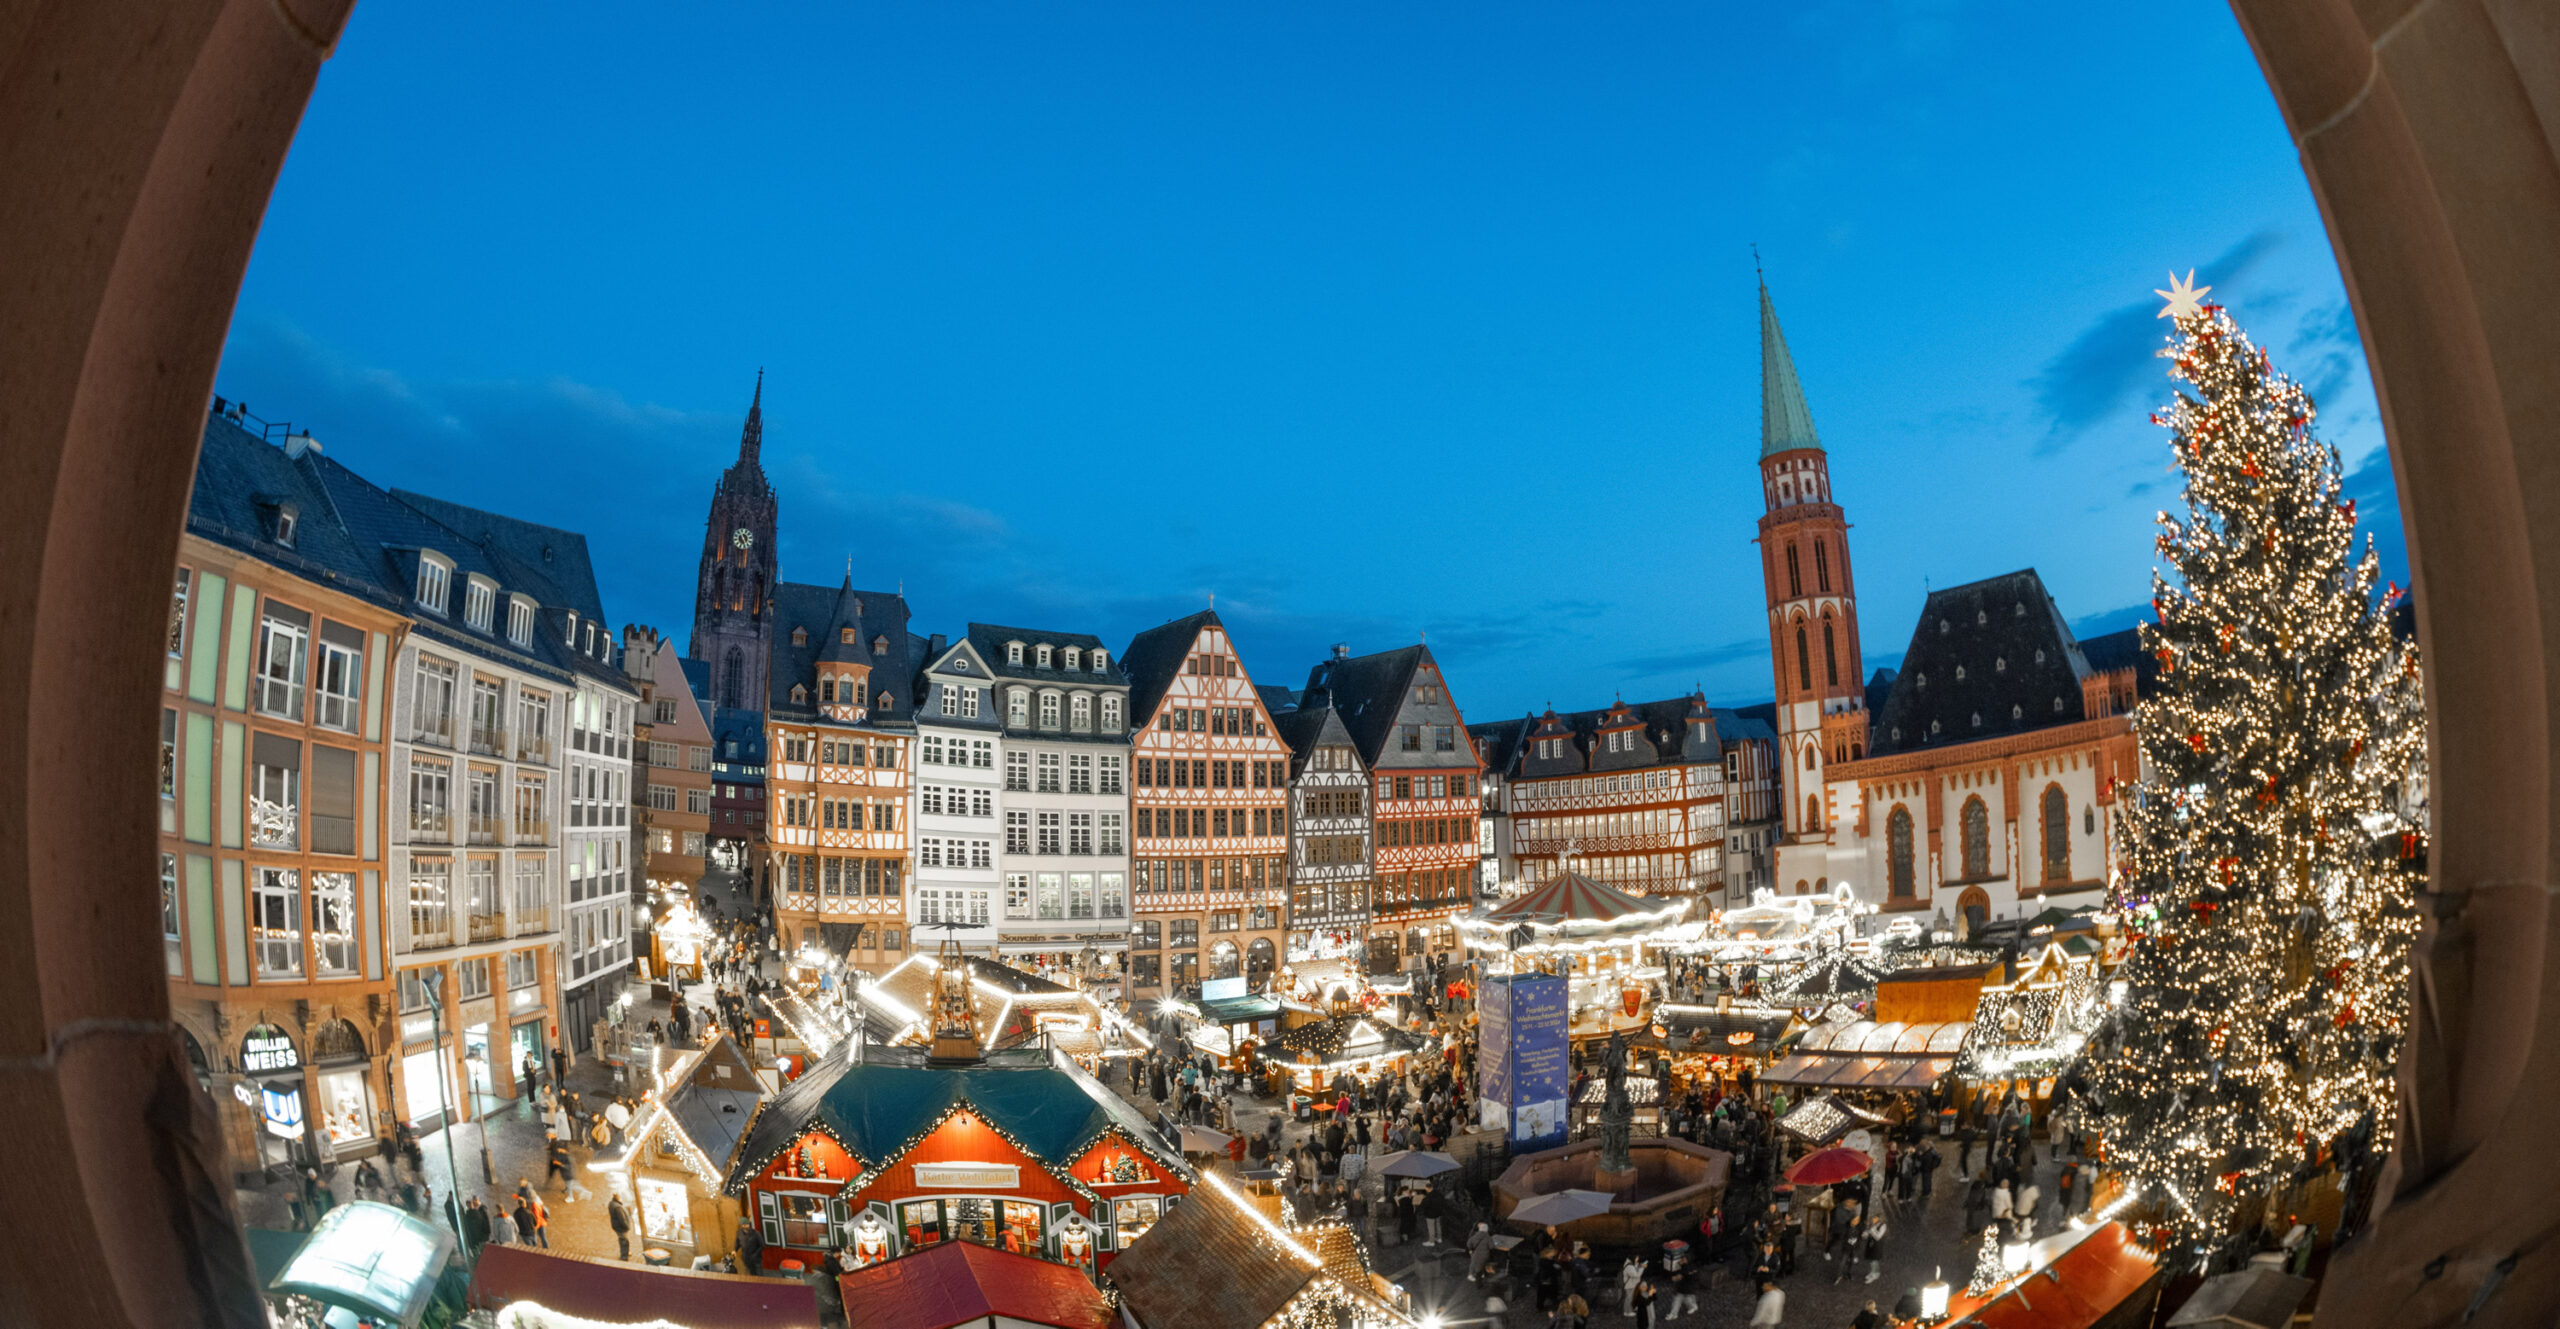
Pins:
<point x="1812" y="812"/>
<point x="880" y="646"/>
<point x="1821" y="565"/>
<point x="2057" y="834"/>
<point x="1830" y="660"/>
<point x="1795" y="575"/>
<point x="1976" y="824"/>
<point x="2088" y="821"/>
<point x="733" y="678"/>
<point x="1804" y="664"/>
<point x="1898" y="853"/>
<point x="799" y="636"/>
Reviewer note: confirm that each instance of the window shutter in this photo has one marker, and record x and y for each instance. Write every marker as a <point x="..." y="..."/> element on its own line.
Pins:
<point x="839" y="1221"/>
<point x="770" y="1216"/>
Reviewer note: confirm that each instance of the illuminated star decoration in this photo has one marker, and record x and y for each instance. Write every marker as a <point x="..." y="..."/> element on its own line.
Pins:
<point x="2186" y="299"/>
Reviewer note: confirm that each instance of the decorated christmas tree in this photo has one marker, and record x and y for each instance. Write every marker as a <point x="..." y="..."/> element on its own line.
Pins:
<point x="2274" y="846"/>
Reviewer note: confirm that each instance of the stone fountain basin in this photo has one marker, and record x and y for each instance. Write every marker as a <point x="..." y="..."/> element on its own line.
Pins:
<point x="1677" y="1184"/>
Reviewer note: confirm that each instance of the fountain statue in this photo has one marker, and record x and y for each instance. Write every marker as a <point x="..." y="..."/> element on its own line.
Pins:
<point x="1616" y="1168"/>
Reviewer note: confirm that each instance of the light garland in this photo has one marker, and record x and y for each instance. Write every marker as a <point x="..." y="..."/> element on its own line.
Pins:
<point x="2274" y="847"/>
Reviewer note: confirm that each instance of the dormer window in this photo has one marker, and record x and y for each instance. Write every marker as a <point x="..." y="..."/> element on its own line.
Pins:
<point x="799" y="636"/>
<point x="591" y="639"/>
<point x="1013" y="653"/>
<point x="2000" y="665"/>
<point x="479" y="603"/>
<point x="569" y="634"/>
<point x="2017" y="713"/>
<point x="880" y="646"/>
<point x="845" y="636"/>
<point x="799" y="695"/>
<point x="1044" y="657"/>
<point x="287" y="516"/>
<point x="1075" y="659"/>
<point x="435" y="582"/>
<point x="1101" y="661"/>
<point x="520" y="620"/>
<point x="886" y="703"/>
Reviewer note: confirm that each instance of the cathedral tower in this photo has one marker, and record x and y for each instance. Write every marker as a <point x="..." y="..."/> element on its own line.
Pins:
<point x="1813" y="601"/>
<point x="733" y="600"/>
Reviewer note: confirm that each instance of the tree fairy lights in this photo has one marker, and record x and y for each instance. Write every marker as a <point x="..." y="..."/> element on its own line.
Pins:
<point x="2277" y="838"/>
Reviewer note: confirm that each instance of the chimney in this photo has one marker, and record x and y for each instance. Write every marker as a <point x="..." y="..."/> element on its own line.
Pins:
<point x="1342" y="650"/>
<point x="935" y="644"/>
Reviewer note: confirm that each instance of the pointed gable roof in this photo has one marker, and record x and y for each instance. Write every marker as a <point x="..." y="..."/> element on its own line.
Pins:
<point x="1155" y="656"/>
<point x="874" y="616"/>
<point x="1786" y="423"/>
<point x="1368" y="692"/>
<point x="1307" y="729"/>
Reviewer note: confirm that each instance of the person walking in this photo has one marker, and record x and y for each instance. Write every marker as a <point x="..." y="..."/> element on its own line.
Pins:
<point x="619" y="1219"/>
<point x="541" y="1235"/>
<point x="1684" y="1290"/>
<point x="1630" y="1275"/>
<point x="2001" y="1205"/>
<point x="1479" y="1250"/>
<point x="2028" y="1198"/>
<point x="502" y="1226"/>
<point x="1771" y="1310"/>
<point x="617" y="1114"/>
<point x="1875" y="1248"/>
<point x="555" y="1154"/>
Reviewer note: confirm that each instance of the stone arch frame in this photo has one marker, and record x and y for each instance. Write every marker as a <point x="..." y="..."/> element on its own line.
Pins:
<point x="2052" y="869"/>
<point x="1969" y="867"/>
<point x="140" y="174"/>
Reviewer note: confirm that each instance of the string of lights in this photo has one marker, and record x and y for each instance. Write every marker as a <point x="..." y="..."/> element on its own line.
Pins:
<point x="2275" y="842"/>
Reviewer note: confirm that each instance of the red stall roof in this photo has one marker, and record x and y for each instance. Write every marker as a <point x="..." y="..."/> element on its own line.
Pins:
<point x="956" y="1282"/>
<point x="2080" y="1286"/>
<point x="613" y="1291"/>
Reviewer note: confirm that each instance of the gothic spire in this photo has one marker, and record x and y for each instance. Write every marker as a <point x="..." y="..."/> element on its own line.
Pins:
<point x="751" y="439"/>
<point x="1786" y="423"/>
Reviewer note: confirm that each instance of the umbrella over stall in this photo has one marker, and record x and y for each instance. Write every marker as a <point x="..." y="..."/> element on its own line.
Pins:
<point x="1824" y="1167"/>
<point x="1415" y="1163"/>
<point x="1562" y="1207"/>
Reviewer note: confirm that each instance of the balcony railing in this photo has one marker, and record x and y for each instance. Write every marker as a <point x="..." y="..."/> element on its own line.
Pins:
<point x="488" y="742"/>
<point x="486" y="830"/>
<point x="432" y="828"/>
<point x="424" y="935"/>
<point x="533" y="832"/>
<point x="533" y="747"/>
<point x="530" y="921"/>
<point x="488" y="927"/>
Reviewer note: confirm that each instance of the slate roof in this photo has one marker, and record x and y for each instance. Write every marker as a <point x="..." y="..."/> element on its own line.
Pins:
<point x="1665" y="726"/>
<point x="824" y="611"/>
<point x="1209" y="1264"/>
<point x="745" y="727"/>
<point x="1743" y="724"/>
<point x="356" y="537"/>
<point x="1368" y="692"/>
<point x="1276" y="698"/>
<point x="2123" y="650"/>
<point x="1500" y="742"/>
<point x="990" y="639"/>
<point x="876" y="1102"/>
<point x="1155" y="656"/>
<point x="1987" y="659"/>
<point x="711" y="1109"/>
<point x="1306" y="730"/>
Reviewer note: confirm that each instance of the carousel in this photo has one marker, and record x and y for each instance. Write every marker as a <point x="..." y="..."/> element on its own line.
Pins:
<point x="1594" y="935"/>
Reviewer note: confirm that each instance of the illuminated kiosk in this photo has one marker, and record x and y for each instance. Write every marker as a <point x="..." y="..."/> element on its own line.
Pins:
<point x="672" y="1159"/>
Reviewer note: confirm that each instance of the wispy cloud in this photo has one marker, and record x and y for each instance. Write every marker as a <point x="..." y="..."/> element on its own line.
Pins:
<point x="2110" y="361"/>
<point x="1696" y="658"/>
<point x="2327" y="350"/>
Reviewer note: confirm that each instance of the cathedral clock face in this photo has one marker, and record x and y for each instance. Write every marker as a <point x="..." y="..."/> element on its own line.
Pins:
<point x="742" y="537"/>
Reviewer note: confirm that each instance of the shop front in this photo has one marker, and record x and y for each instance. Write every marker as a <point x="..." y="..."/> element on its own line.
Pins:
<point x="271" y="1086"/>
<point x="425" y="1085"/>
<point x="341" y="1081"/>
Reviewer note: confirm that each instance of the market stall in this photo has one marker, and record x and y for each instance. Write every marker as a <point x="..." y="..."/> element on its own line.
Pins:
<point x="1882" y="1062"/>
<point x="1313" y="1055"/>
<point x="1707" y="1047"/>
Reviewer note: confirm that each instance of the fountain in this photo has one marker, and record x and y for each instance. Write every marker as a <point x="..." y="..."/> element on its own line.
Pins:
<point x="1664" y="1187"/>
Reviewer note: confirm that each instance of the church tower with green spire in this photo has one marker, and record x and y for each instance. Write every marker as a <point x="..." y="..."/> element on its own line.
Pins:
<point x="1813" y="610"/>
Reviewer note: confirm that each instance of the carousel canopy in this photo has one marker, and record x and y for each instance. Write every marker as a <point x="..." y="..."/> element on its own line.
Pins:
<point x="1575" y="898"/>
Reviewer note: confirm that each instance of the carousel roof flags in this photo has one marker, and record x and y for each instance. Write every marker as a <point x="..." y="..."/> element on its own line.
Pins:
<point x="1572" y="912"/>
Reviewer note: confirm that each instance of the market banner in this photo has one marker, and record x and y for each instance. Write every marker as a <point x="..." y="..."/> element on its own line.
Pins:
<point x="1521" y="1060"/>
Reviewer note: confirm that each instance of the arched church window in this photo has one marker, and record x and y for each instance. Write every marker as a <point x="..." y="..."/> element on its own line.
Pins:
<point x="1830" y="658"/>
<point x="1821" y="565"/>
<point x="1813" y="812"/>
<point x="1804" y="664"/>
<point x="1898" y="854"/>
<point x="2057" y="834"/>
<point x="1976" y="823"/>
<point x="733" y="678"/>
<point x="1795" y="575"/>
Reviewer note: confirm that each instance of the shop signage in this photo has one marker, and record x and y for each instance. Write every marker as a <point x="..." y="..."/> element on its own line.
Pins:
<point x="417" y="1028"/>
<point x="1221" y="989"/>
<point x="968" y="1176"/>
<point x="268" y="1049"/>
<point x="1741" y="1038"/>
<point x="282" y="1109"/>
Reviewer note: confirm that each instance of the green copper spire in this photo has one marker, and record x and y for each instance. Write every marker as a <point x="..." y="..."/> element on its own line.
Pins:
<point x="1785" y="421"/>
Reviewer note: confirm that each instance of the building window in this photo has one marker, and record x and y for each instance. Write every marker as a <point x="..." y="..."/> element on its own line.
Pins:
<point x="1017" y="708"/>
<point x="431" y="709"/>
<point x="520" y="621"/>
<point x="333" y="924"/>
<point x="275" y="923"/>
<point x="1048" y="710"/>
<point x="479" y="603"/>
<point x="1976" y="823"/>
<point x="275" y="792"/>
<point x="1080" y="713"/>
<point x="1111" y="781"/>
<point x="1898" y="853"/>
<point x="338" y="683"/>
<point x="1080" y="773"/>
<point x="434" y="578"/>
<point x="1111" y="843"/>
<point x="1044" y="657"/>
<point x="471" y="978"/>
<point x="1049" y="842"/>
<point x="1821" y="566"/>
<point x="2057" y="834"/>
<point x="430" y="901"/>
<point x="169" y="943"/>
<point x="284" y="643"/>
<point x="1013" y="652"/>
<point x="1830" y="659"/>
<point x="178" y="613"/>
<point x="1017" y="832"/>
<point x="430" y="799"/>
<point x="1079" y="832"/>
<point x="1049" y="764"/>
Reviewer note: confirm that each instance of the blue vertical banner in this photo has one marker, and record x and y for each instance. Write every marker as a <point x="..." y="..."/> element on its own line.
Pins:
<point x="1521" y="1063"/>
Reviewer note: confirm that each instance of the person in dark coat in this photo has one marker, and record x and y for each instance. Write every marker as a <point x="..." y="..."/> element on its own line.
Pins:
<point x="526" y="1231"/>
<point x="619" y="1218"/>
<point x="750" y="1250"/>
<point x="475" y="1226"/>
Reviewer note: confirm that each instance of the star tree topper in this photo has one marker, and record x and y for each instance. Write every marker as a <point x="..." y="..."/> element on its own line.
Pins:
<point x="2185" y="298"/>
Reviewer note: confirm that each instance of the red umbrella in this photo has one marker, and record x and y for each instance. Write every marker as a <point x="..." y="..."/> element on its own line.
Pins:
<point x="1826" y="1166"/>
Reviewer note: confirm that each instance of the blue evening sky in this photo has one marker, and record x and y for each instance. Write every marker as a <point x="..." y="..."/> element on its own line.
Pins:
<point x="1370" y="320"/>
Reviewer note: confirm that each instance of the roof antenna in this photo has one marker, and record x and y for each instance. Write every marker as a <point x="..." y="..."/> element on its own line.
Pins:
<point x="1213" y="599"/>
